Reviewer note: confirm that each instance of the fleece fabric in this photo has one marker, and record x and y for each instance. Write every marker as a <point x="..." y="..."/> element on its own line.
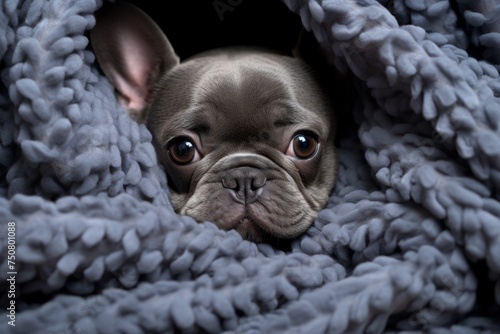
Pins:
<point x="409" y="241"/>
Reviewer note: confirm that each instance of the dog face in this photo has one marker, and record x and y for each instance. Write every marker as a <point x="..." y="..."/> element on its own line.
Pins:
<point x="246" y="135"/>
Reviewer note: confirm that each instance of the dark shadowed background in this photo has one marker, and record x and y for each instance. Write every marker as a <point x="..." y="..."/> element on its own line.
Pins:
<point x="195" y="26"/>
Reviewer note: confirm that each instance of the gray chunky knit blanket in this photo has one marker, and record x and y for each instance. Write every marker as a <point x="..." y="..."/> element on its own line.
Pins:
<point x="409" y="241"/>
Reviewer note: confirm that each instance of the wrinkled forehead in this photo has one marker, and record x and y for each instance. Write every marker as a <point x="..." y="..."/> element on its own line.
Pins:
<point x="238" y="97"/>
<point x="244" y="94"/>
<point x="245" y="79"/>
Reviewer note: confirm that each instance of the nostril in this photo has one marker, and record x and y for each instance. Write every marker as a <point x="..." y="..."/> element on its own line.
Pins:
<point x="258" y="183"/>
<point x="229" y="183"/>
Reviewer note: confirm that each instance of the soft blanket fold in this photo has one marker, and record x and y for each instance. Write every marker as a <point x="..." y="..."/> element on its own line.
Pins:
<point x="410" y="240"/>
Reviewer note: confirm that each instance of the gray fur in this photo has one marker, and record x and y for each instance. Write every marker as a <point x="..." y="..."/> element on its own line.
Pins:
<point x="240" y="109"/>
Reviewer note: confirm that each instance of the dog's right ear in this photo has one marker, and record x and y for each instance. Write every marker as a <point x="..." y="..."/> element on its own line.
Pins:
<point x="132" y="52"/>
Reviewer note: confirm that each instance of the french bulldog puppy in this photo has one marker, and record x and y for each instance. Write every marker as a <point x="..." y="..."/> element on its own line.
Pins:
<point x="246" y="136"/>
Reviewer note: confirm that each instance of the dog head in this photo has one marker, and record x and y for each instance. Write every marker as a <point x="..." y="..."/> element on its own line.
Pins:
<point x="246" y="136"/>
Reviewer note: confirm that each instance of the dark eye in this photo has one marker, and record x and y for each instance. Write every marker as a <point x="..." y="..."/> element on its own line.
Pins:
<point x="182" y="151"/>
<point x="303" y="146"/>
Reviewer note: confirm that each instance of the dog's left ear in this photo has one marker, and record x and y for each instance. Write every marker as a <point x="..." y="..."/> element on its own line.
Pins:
<point x="132" y="52"/>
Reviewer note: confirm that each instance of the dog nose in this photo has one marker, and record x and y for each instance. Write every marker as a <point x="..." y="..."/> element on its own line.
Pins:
<point x="244" y="183"/>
